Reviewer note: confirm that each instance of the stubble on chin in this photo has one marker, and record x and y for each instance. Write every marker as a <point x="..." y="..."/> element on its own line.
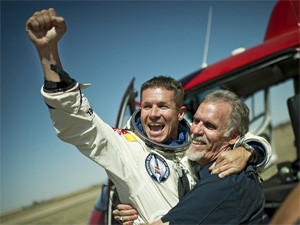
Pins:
<point x="194" y="154"/>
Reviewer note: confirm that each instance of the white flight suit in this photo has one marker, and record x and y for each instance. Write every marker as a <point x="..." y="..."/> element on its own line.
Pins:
<point x="123" y="154"/>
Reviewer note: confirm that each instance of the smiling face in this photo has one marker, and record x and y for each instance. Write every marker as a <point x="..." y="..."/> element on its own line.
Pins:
<point x="208" y="132"/>
<point x="160" y="115"/>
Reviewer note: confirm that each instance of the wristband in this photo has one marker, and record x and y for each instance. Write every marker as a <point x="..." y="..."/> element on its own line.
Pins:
<point x="66" y="83"/>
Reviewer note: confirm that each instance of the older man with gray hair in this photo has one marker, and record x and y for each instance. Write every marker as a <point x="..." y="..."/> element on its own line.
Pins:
<point x="220" y="121"/>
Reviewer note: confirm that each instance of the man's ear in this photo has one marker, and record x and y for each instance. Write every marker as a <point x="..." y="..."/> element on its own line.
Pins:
<point x="234" y="136"/>
<point x="181" y="112"/>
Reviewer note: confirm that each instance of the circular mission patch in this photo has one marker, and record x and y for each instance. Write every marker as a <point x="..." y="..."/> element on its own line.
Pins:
<point x="157" y="167"/>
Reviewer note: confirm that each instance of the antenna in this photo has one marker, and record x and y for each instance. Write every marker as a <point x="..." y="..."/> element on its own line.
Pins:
<point x="204" y="64"/>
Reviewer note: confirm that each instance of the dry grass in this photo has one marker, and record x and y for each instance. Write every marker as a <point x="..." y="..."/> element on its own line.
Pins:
<point x="73" y="208"/>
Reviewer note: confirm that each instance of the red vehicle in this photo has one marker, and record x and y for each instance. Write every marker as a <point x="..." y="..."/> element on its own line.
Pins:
<point x="251" y="73"/>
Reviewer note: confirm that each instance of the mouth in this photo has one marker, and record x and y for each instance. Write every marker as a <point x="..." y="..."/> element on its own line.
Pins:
<point x="198" y="142"/>
<point x="156" y="127"/>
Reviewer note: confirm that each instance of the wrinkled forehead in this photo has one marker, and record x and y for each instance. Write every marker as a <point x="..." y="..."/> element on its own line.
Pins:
<point x="214" y="109"/>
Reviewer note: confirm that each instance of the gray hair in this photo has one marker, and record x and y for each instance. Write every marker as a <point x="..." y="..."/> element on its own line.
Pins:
<point x="239" y="118"/>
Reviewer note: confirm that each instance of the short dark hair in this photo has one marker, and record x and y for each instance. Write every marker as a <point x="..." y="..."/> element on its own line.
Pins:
<point x="239" y="118"/>
<point x="167" y="83"/>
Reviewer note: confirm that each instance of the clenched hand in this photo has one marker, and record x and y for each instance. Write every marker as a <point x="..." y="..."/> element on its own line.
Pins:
<point x="45" y="28"/>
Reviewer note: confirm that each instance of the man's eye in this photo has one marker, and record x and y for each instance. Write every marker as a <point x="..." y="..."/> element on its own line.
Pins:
<point x="210" y="126"/>
<point x="164" y="107"/>
<point x="146" y="107"/>
<point x="195" y="121"/>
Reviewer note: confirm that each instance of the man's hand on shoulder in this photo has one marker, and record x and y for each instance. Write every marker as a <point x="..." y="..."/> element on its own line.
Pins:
<point x="230" y="162"/>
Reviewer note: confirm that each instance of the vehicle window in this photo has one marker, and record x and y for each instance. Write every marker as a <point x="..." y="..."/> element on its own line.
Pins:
<point x="279" y="95"/>
<point x="270" y="103"/>
<point x="257" y="110"/>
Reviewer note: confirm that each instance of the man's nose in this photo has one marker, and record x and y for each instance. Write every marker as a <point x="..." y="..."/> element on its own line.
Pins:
<point x="154" y="112"/>
<point x="198" y="129"/>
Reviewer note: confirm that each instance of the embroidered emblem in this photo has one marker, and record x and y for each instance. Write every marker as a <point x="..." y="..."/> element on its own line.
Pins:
<point x="157" y="167"/>
<point x="128" y="136"/>
<point x="119" y="131"/>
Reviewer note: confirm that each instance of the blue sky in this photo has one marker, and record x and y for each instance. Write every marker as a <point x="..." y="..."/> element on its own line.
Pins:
<point x="107" y="43"/>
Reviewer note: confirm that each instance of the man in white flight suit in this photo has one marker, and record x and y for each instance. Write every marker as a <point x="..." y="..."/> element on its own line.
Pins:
<point x="146" y="163"/>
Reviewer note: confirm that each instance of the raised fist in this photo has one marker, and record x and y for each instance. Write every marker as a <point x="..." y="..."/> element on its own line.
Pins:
<point x="45" y="28"/>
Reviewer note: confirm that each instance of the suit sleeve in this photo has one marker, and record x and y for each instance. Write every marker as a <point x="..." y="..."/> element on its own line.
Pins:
<point x="260" y="144"/>
<point x="76" y="123"/>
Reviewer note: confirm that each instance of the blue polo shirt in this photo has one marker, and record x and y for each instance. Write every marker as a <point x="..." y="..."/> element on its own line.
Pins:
<point x="235" y="199"/>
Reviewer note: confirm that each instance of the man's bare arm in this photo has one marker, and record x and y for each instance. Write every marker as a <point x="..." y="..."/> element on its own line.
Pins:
<point x="45" y="29"/>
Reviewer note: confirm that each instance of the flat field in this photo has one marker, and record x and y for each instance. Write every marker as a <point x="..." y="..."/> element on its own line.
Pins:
<point x="75" y="208"/>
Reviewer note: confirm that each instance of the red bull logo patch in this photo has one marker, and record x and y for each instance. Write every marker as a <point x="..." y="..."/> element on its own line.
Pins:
<point x="128" y="136"/>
